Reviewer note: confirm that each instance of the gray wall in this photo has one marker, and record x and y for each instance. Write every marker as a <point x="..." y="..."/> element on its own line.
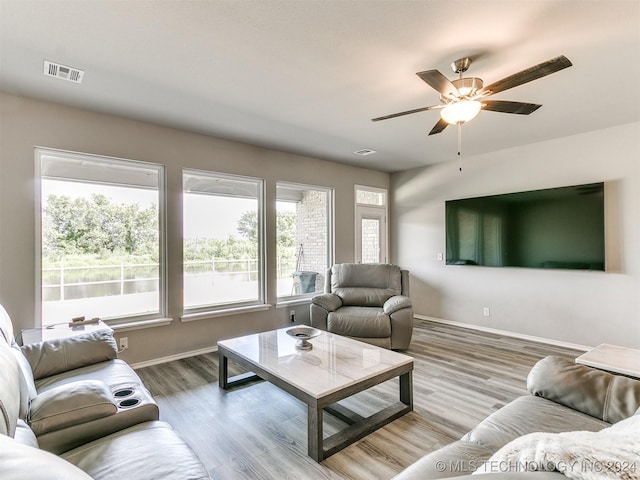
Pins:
<point x="26" y="123"/>
<point x="580" y="307"/>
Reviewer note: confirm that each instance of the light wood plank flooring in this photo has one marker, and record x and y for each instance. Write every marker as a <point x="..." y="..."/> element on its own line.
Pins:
<point x="259" y="432"/>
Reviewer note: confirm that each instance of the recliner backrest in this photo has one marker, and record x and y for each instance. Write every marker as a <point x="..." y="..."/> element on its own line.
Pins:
<point x="366" y="285"/>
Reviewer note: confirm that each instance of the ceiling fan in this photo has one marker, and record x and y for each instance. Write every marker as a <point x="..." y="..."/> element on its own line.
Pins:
<point x="462" y="99"/>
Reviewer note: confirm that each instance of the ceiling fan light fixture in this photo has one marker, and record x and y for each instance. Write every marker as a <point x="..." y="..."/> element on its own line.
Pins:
<point x="460" y="112"/>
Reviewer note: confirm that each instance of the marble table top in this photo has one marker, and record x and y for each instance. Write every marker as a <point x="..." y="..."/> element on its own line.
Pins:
<point x="334" y="362"/>
<point x="613" y="358"/>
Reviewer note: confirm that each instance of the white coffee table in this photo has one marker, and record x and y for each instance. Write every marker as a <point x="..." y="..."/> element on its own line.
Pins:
<point x="334" y="369"/>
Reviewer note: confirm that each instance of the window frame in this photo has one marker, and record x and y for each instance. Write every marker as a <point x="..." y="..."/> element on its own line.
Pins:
<point x="368" y="210"/>
<point x="330" y="254"/>
<point x="225" y="308"/>
<point x="124" y="320"/>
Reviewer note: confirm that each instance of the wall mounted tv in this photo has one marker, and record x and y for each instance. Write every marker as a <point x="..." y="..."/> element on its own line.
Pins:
<point x="551" y="228"/>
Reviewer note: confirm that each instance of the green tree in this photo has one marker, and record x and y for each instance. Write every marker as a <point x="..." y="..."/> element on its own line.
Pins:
<point x="285" y="225"/>
<point x="96" y="226"/>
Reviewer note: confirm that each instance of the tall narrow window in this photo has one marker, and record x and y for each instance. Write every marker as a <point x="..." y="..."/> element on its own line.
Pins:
<point x="101" y="237"/>
<point x="223" y="241"/>
<point x="304" y="238"/>
<point x="371" y="225"/>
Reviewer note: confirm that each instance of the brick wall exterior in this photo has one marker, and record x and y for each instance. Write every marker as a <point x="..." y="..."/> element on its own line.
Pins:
<point x="311" y="226"/>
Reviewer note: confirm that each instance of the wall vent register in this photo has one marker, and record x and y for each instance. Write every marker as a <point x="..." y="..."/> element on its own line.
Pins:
<point x="63" y="72"/>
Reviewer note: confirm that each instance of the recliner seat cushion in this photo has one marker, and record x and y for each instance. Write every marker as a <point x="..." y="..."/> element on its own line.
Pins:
<point x="113" y="373"/>
<point x="25" y="462"/>
<point x="152" y="451"/>
<point x="365" y="322"/>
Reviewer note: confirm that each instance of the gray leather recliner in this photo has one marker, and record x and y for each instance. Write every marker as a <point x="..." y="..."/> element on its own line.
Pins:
<point x="367" y="302"/>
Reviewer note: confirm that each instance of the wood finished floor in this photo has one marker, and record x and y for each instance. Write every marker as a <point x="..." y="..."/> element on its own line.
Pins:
<point x="259" y="432"/>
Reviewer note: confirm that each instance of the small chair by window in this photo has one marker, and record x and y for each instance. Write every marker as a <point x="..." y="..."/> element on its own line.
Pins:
<point x="367" y="302"/>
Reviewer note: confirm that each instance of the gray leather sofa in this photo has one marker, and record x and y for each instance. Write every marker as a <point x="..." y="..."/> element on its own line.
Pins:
<point x="70" y="409"/>
<point x="564" y="397"/>
<point x="368" y="302"/>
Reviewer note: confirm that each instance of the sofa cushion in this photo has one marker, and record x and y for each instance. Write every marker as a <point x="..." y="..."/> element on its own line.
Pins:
<point x="115" y="374"/>
<point x="597" y="393"/>
<point x="529" y="414"/>
<point x="27" y="385"/>
<point x="24" y="462"/>
<point x="367" y="322"/>
<point x="9" y="390"/>
<point x="71" y="404"/>
<point x="148" y="451"/>
<point x="25" y="435"/>
<point x="59" y="355"/>
<point x="457" y="458"/>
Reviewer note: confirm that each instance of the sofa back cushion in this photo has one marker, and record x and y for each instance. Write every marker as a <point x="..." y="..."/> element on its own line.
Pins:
<point x="365" y="285"/>
<point x="597" y="393"/>
<point x="63" y="354"/>
<point x="9" y="391"/>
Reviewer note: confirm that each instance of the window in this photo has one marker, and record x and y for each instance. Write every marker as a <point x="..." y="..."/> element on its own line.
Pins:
<point x="304" y="232"/>
<point x="101" y="242"/>
<point x="371" y="225"/>
<point x="223" y="241"/>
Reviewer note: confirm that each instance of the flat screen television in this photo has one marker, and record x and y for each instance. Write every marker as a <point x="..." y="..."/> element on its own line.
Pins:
<point x="551" y="228"/>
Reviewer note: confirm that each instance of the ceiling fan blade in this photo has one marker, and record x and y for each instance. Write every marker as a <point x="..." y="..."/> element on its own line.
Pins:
<point x="408" y="112"/>
<point x="440" y="126"/>
<point x="503" y="106"/>
<point x="439" y="82"/>
<point x="533" y="73"/>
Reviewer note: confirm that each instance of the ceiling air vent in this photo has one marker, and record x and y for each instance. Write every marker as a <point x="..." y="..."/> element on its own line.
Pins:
<point x="364" y="151"/>
<point x="62" y="71"/>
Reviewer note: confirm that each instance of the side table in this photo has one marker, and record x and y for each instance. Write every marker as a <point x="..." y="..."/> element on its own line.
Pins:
<point x="52" y="332"/>
<point x="613" y="358"/>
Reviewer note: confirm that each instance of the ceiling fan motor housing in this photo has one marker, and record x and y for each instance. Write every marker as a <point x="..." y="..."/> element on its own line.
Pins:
<point x="467" y="87"/>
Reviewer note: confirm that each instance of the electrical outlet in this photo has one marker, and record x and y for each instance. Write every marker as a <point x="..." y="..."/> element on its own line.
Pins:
<point x="292" y="315"/>
<point x="486" y="312"/>
<point x="124" y="343"/>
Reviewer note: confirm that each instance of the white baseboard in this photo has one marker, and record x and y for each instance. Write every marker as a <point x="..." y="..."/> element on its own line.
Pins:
<point x="178" y="356"/>
<point x="506" y="333"/>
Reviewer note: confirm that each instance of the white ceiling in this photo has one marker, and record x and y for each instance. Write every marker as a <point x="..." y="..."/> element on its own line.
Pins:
<point x="306" y="76"/>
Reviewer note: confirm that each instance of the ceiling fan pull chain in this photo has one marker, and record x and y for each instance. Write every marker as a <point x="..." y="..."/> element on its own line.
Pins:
<point x="460" y="145"/>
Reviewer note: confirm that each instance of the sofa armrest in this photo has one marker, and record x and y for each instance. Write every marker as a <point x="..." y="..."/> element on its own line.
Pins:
<point x="600" y="394"/>
<point x="395" y="303"/>
<point x="70" y="404"/>
<point x="328" y="301"/>
<point x="56" y="356"/>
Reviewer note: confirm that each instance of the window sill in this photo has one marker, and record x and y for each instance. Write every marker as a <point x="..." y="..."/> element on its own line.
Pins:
<point x="192" y="317"/>
<point x="294" y="301"/>
<point x="140" y="324"/>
